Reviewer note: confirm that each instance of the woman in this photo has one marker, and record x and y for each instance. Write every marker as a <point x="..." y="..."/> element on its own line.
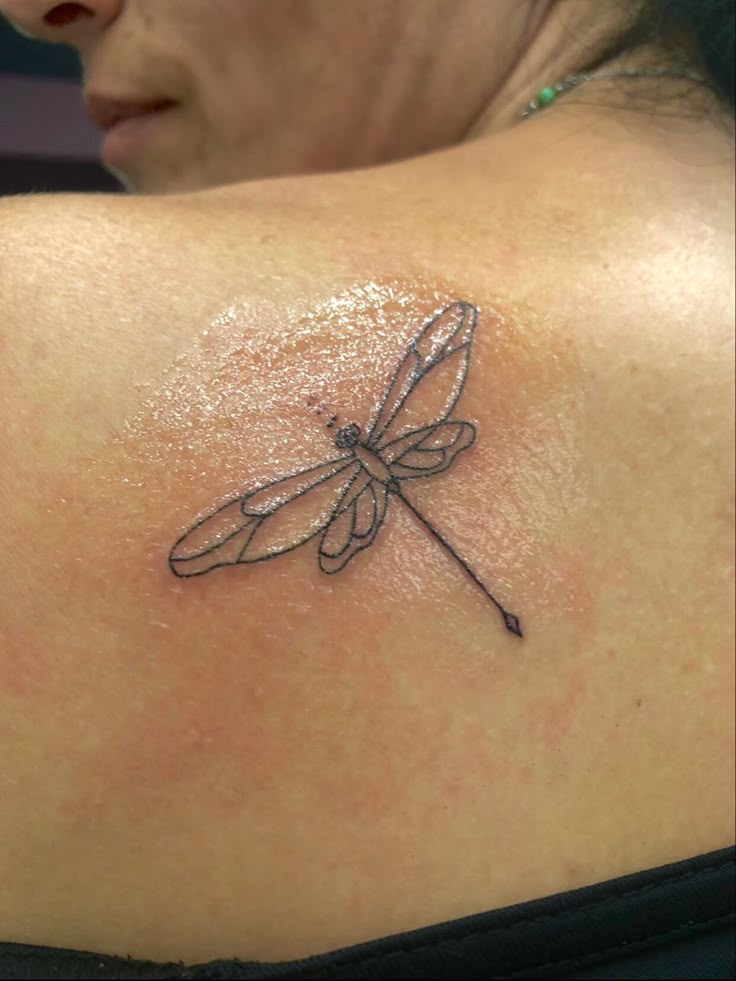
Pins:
<point x="484" y="663"/>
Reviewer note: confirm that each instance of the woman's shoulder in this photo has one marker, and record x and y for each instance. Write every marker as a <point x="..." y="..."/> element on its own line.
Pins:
<point x="372" y="745"/>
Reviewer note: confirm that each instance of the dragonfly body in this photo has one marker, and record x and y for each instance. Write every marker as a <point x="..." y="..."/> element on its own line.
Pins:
<point x="370" y="461"/>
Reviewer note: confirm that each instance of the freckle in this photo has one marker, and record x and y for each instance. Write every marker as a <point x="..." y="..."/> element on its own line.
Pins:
<point x="638" y="703"/>
<point x="573" y="871"/>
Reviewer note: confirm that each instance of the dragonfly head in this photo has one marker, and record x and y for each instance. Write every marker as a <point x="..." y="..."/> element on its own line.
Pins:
<point x="347" y="436"/>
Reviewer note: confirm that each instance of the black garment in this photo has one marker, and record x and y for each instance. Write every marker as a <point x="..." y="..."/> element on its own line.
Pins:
<point x="676" y="921"/>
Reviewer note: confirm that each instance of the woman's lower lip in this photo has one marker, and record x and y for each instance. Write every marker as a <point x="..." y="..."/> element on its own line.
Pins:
<point x="125" y="137"/>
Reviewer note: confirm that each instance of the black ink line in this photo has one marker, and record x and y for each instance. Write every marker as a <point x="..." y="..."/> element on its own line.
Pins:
<point x="510" y="619"/>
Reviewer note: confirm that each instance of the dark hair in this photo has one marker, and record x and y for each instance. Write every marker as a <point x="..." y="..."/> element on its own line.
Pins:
<point x="710" y="23"/>
<point x="694" y="30"/>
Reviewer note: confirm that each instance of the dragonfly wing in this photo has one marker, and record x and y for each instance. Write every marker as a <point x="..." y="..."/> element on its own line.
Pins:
<point x="301" y="517"/>
<point x="218" y="539"/>
<point x="355" y="525"/>
<point x="429" y="379"/>
<point x="265" y="500"/>
<point x="428" y="450"/>
<point x="265" y="522"/>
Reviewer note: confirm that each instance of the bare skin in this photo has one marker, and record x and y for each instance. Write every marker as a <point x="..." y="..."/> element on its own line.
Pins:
<point x="268" y="762"/>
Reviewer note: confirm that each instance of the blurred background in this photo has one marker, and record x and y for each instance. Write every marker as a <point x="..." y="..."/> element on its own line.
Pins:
<point x="46" y="141"/>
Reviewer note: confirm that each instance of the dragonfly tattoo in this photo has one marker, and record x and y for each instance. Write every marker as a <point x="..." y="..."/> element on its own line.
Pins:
<point x="346" y="499"/>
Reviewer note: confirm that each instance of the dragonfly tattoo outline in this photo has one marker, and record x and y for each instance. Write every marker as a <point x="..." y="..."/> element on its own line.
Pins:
<point x="345" y="500"/>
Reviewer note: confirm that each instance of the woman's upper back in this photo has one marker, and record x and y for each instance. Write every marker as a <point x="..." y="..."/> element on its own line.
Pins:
<point x="192" y="761"/>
